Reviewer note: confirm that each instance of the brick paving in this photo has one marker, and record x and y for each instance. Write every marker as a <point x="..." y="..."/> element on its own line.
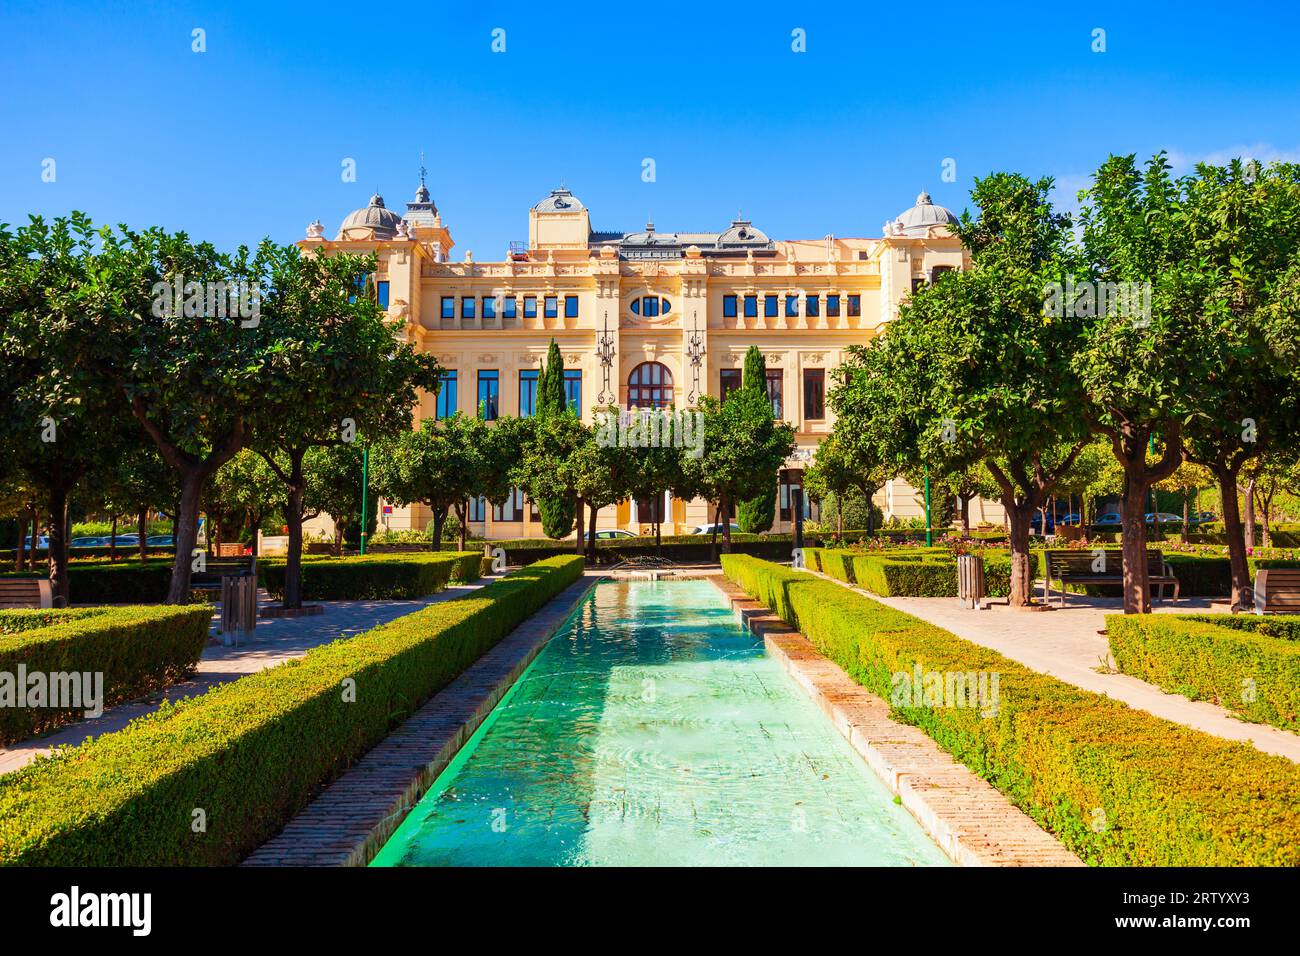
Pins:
<point x="970" y="820"/>
<point x="354" y="816"/>
<point x="274" y="641"/>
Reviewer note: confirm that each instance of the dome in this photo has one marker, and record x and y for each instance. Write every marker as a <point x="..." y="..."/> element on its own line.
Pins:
<point x="560" y="200"/>
<point x="918" y="220"/>
<point x="742" y="233"/>
<point x="381" y="222"/>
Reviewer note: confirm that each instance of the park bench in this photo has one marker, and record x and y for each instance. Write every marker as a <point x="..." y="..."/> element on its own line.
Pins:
<point x="236" y="580"/>
<point x="1277" y="590"/>
<point x="1083" y="567"/>
<point x="25" y="592"/>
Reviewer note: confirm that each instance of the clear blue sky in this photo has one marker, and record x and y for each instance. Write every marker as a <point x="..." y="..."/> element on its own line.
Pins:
<point x="247" y="139"/>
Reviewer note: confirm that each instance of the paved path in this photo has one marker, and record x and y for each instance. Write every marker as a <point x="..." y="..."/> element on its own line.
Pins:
<point x="1066" y="644"/>
<point x="275" y="640"/>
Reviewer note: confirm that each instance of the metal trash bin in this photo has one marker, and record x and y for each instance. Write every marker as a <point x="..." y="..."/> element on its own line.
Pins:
<point x="970" y="579"/>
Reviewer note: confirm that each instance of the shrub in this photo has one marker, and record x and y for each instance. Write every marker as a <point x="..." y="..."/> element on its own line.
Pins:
<point x="1283" y="626"/>
<point x="1169" y="795"/>
<point x="912" y="572"/>
<point x="136" y="649"/>
<point x="123" y="582"/>
<point x="25" y="619"/>
<point x="384" y="577"/>
<point x="255" y="751"/>
<point x="1243" y="669"/>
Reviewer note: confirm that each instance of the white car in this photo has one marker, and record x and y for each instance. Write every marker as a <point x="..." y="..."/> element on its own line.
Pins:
<point x="708" y="529"/>
<point x="613" y="533"/>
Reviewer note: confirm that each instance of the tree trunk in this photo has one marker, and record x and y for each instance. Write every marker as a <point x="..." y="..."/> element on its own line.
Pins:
<point x="142" y="532"/>
<point x="1187" y="517"/>
<point x="591" y="532"/>
<point x="439" y="520"/>
<point x="1264" y="506"/>
<point x="963" y="512"/>
<point x="1137" y="587"/>
<point x="1022" y="560"/>
<point x="338" y="540"/>
<point x="462" y="514"/>
<point x="57" y="553"/>
<point x="713" y="538"/>
<point x="579" y="539"/>
<point x="658" y="535"/>
<point x="1250" y="513"/>
<point x="1242" y="596"/>
<point x="185" y="531"/>
<point x="297" y="488"/>
<point x="726" y="529"/>
<point x="20" y="557"/>
<point x="112" y="540"/>
<point x="839" y="518"/>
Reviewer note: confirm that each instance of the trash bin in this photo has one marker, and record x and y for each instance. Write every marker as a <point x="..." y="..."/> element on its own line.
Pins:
<point x="970" y="579"/>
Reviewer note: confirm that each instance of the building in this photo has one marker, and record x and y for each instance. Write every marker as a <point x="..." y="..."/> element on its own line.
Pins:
<point x="678" y="309"/>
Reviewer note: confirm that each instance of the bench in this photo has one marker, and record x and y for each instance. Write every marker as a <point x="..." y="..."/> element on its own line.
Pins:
<point x="1085" y="567"/>
<point x="26" y="592"/>
<point x="1277" y="590"/>
<point x="236" y="579"/>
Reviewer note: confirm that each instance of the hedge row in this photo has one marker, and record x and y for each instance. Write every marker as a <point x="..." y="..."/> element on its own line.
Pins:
<point x="1166" y="795"/>
<point x="1246" y="670"/>
<point x="906" y="573"/>
<point x="387" y="577"/>
<point x="253" y="752"/>
<point x="14" y="621"/>
<point x="125" y="582"/>
<point x="135" y="649"/>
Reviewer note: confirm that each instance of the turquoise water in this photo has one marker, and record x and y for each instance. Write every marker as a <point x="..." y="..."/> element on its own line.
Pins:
<point x="654" y="730"/>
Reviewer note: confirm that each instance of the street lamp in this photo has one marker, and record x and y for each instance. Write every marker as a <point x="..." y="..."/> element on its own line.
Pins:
<point x="365" y="487"/>
<point x="695" y="352"/>
<point x="605" y="352"/>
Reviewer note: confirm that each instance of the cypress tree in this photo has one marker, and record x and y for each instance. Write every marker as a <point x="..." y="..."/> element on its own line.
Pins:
<point x="557" y="514"/>
<point x="757" y="514"/>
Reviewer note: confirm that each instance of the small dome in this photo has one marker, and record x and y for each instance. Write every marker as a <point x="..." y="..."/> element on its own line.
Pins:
<point x="742" y="233"/>
<point x="380" y="221"/>
<point x="918" y="220"/>
<point x="560" y="200"/>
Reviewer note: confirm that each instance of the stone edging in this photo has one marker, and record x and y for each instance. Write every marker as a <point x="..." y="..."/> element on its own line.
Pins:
<point x="970" y="820"/>
<point x="349" y="821"/>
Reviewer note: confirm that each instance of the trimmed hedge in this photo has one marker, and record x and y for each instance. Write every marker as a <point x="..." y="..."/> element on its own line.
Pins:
<point x="1283" y="626"/>
<point x="14" y="621"/>
<point x="123" y="582"/>
<point x="1171" y="796"/>
<point x="386" y="577"/>
<point x="907" y="573"/>
<point x="136" y="649"/>
<point x="253" y="752"/>
<point x="1243" y="669"/>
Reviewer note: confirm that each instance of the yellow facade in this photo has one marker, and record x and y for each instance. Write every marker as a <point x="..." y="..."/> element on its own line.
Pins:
<point x="802" y="302"/>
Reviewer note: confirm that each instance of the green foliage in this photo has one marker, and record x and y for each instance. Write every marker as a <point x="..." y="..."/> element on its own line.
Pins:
<point x="1171" y="796"/>
<point x="439" y="465"/>
<point x="757" y="514"/>
<point x="137" y="649"/>
<point x="255" y="751"/>
<point x="557" y="509"/>
<point x="381" y="577"/>
<point x="1247" y="670"/>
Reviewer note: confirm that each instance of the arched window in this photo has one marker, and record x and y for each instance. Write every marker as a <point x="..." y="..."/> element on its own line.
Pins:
<point x="650" y="386"/>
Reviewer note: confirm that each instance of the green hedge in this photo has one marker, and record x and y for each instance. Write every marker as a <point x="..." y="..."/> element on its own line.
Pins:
<point x="1171" y="796"/>
<point x="1283" y="626"/>
<point x="253" y="752"/>
<point x="125" y="582"/>
<point x="385" y="577"/>
<point x="136" y="649"/>
<point x="911" y="573"/>
<point x="1245" y="670"/>
<point x="17" y="620"/>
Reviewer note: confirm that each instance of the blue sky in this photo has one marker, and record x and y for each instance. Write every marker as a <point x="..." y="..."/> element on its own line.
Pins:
<point x="248" y="138"/>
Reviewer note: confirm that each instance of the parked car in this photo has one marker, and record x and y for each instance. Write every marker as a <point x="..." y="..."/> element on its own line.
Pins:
<point x="43" y="541"/>
<point x="1205" y="517"/>
<point x="1036" y="522"/>
<point x="163" y="541"/>
<point x="1163" y="517"/>
<point x="1109" y="518"/>
<point x="1069" y="519"/>
<point x="708" y="529"/>
<point x="88" y="541"/>
<point x="613" y="533"/>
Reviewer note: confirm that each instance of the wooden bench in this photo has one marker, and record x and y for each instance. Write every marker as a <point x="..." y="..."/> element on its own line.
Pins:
<point x="236" y="580"/>
<point x="25" y="592"/>
<point x="1077" y="567"/>
<point x="1277" y="590"/>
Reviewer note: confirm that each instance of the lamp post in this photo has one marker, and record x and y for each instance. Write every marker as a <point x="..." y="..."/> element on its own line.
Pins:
<point x="365" y="487"/>
<point x="695" y="352"/>
<point x="605" y="352"/>
<point x="929" y="534"/>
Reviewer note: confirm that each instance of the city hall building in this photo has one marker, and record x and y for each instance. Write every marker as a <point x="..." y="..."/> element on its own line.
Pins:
<point x="644" y="319"/>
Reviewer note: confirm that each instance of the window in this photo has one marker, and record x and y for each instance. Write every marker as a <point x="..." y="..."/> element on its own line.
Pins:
<point x="489" y="391"/>
<point x="792" y="481"/>
<point x="478" y="509"/>
<point x="533" y="514"/>
<point x="771" y="305"/>
<point x="832" y="306"/>
<point x="814" y="394"/>
<point x="728" y="381"/>
<point x="649" y="510"/>
<point x="551" y="307"/>
<point x="791" y="306"/>
<point x="650" y="306"/>
<point x="512" y="509"/>
<point x="570" y="306"/>
<point x="729" y="306"/>
<point x="449" y="307"/>
<point x="573" y="389"/>
<point x="530" y="307"/>
<point x="775" y="383"/>
<point x="527" y="392"/>
<point x="751" y="306"/>
<point x="509" y="307"/>
<point x="381" y="293"/>
<point x="937" y="271"/>
<point x="447" y="395"/>
<point x="467" y="307"/>
<point x="811" y="307"/>
<point x="650" y="386"/>
<point x="855" y="305"/>
<point x="489" y="307"/>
